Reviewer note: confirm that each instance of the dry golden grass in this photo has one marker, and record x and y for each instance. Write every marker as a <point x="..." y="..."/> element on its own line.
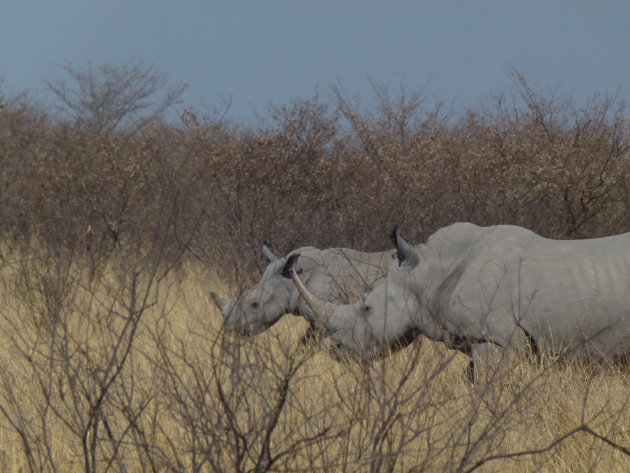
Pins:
<point x="190" y="398"/>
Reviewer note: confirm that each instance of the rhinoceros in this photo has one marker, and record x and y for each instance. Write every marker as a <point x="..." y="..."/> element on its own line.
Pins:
<point x="337" y="275"/>
<point x="503" y="285"/>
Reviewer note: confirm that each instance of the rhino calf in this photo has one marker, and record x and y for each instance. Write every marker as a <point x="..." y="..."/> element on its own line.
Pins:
<point x="338" y="275"/>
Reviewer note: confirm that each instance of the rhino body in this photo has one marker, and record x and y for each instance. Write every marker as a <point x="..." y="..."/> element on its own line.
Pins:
<point x="338" y="275"/>
<point x="503" y="285"/>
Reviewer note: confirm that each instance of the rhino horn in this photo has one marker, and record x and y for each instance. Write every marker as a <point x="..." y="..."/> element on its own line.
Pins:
<point x="268" y="253"/>
<point x="406" y="255"/>
<point x="321" y="308"/>
<point x="224" y="305"/>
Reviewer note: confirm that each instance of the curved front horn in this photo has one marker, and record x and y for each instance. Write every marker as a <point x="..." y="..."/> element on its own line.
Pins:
<point x="321" y="308"/>
<point x="224" y="305"/>
<point x="268" y="253"/>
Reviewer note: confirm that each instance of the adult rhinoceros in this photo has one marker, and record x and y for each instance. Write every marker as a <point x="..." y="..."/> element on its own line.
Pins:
<point x="504" y="284"/>
<point x="337" y="275"/>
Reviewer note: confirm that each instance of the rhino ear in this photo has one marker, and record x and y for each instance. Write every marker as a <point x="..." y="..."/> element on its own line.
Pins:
<point x="407" y="257"/>
<point x="288" y="266"/>
<point x="268" y="253"/>
<point x="394" y="236"/>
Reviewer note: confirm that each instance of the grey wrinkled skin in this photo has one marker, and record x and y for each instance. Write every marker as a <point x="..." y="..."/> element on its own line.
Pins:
<point x="338" y="275"/>
<point x="503" y="285"/>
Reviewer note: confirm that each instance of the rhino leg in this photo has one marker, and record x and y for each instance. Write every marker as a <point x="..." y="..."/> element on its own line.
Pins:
<point x="491" y="358"/>
<point x="482" y="357"/>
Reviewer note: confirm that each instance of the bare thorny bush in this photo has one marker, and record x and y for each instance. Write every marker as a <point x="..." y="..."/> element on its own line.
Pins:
<point x="257" y="407"/>
<point x="71" y="340"/>
<point x="100" y="224"/>
<point x="317" y="173"/>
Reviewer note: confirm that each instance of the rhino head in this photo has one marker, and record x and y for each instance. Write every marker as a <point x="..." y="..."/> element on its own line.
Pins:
<point x="388" y="317"/>
<point x="260" y="306"/>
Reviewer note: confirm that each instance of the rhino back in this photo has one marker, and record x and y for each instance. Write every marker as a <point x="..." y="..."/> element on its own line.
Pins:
<point x="338" y="274"/>
<point x="560" y="292"/>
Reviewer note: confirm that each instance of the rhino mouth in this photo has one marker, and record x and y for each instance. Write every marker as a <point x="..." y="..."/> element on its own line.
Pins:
<point x="240" y="332"/>
<point x="236" y="328"/>
<point x="236" y="324"/>
<point x="341" y="351"/>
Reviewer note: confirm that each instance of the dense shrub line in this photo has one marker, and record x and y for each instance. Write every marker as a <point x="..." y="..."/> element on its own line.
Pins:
<point x="316" y="173"/>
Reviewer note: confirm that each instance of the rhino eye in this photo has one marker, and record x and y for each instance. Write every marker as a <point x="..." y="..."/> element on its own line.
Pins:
<point x="365" y="309"/>
<point x="254" y="304"/>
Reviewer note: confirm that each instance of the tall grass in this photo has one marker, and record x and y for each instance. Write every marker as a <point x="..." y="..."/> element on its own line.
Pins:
<point x="188" y="397"/>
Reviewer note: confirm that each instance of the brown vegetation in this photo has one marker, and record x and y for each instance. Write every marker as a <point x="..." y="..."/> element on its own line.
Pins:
<point x="113" y="235"/>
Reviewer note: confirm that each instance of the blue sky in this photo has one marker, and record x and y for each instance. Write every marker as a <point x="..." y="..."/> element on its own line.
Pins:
<point x="259" y="53"/>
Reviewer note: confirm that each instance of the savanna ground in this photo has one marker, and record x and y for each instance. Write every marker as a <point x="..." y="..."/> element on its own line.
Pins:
<point x="116" y="225"/>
